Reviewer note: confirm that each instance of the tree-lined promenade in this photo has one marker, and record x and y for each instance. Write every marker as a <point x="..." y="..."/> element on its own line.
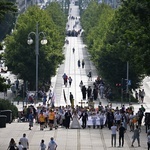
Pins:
<point x="115" y="37"/>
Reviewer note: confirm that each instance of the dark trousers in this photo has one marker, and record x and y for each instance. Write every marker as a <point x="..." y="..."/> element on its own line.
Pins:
<point x="113" y="140"/>
<point x="148" y="144"/>
<point x="121" y="137"/>
<point x="110" y="124"/>
<point x="67" y="123"/>
<point x="84" y="123"/>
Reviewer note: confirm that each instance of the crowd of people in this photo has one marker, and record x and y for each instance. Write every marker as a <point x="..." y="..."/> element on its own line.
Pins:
<point x="115" y="119"/>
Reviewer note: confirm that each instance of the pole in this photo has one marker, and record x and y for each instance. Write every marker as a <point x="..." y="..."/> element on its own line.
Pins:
<point x="121" y="91"/>
<point x="127" y="89"/>
<point x="23" y="93"/>
<point x="37" y="54"/>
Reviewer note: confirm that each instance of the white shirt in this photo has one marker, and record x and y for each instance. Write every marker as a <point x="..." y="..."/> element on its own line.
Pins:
<point x="117" y="117"/>
<point x="24" y="142"/>
<point x="113" y="129"/>
<point x="52" y="145"/>
<point x="20" y="147"/>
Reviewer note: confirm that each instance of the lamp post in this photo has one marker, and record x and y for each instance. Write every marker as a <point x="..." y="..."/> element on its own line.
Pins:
<point x="43" y="42"/>
<point x="127" y="89"/>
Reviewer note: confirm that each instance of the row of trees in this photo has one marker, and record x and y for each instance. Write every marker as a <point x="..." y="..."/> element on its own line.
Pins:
<point x="20" y="57"/>
<point x="115" y="37"/>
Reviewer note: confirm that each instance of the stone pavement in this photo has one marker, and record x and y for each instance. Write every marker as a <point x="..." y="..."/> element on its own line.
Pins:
<point x="71" y="139"/>
<point x="67" y="139"/>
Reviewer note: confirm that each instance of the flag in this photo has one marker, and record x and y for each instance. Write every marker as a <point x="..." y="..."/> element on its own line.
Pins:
<point x="64" y="96"/>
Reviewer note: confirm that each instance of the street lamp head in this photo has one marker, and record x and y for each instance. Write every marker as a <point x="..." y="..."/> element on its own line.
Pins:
<point x="44" y="41"/>
<point x="29" y="41"/>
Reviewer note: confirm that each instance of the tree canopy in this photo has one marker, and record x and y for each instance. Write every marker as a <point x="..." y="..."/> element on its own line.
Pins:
<point x="20" y="57"/>
<point x="6" y="7"/>
<point x="59" y="18"/>
<point x="115" y="37"/>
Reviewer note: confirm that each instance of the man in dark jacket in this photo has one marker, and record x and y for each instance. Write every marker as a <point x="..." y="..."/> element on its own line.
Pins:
<point x="121" y="135"/>
<point x="68" y="116"/>
<point x="84" y="117"/>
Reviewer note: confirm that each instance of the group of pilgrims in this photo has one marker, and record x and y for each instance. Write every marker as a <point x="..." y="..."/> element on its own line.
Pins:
<point x="71" y="116"/>
<point x="79" y="117"/>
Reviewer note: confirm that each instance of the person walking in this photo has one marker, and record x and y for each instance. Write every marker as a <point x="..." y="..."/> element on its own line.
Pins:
<point x="136" y="135"/>
<point x="84" y="117"/>
<point x="83" y="63"/>
<point x="24" y="142"/>
<point x="41" y="119"/>
<point x="52" y="144"/>
<point x="50" y="96"/>
<point x="73" y="50"/>
<point x="68" y="116"/>
<point x="136" y="96"/>
<point x="70" y="81"/>
<point x="122" y="130"/>
<point x="81" y="85"/>
<point x="51" y="119"/>
<point x="90" y="75"/>
<point x="79" y="63"/>
<point x="30" y="118"/>
<point x="89" y="92"/>
<point x="42" y="145"/>
<point x="44" y="98"/>
<point x="83" y="92"/>
<point x="110" y="118"/>
<point x="20" y="146"/>
<point x="95" y="93"/>
<point x="65" y="78"/>
<point x="17" y="84"/>
<point x="142" y="95"/>
<point x="101" y="119"/>
<point x="113" y="135"/>
<point x="12" y="145"/>
<point x="101" y="90"/>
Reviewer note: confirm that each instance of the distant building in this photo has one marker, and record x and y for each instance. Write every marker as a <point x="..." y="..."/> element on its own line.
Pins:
<point x="113" y="3"/>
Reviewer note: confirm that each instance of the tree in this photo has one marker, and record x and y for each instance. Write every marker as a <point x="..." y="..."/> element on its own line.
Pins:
<point x="58" y="17"/>
<point x="20" y="57"/>
<point x="97" y="33"/>
<point x="89" y="19"/>
<point x="119" y="38"/>
<point x="6" y="7"/>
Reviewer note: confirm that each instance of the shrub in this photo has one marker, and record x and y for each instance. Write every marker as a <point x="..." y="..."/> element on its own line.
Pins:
<point x="7" y="105"/>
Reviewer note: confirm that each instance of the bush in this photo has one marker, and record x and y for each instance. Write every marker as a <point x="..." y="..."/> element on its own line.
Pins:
<point x="6" y="105"/>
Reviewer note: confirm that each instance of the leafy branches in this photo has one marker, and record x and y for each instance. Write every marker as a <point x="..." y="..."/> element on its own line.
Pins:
<point x="119" y="36"/>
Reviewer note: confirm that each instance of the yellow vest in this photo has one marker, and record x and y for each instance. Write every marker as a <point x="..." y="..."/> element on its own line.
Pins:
<point x="51" y="116"/>
<point x="41" y="118"/>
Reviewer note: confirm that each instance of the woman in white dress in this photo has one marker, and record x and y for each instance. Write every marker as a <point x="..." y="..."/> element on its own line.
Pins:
<point x="75" y="124"/>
